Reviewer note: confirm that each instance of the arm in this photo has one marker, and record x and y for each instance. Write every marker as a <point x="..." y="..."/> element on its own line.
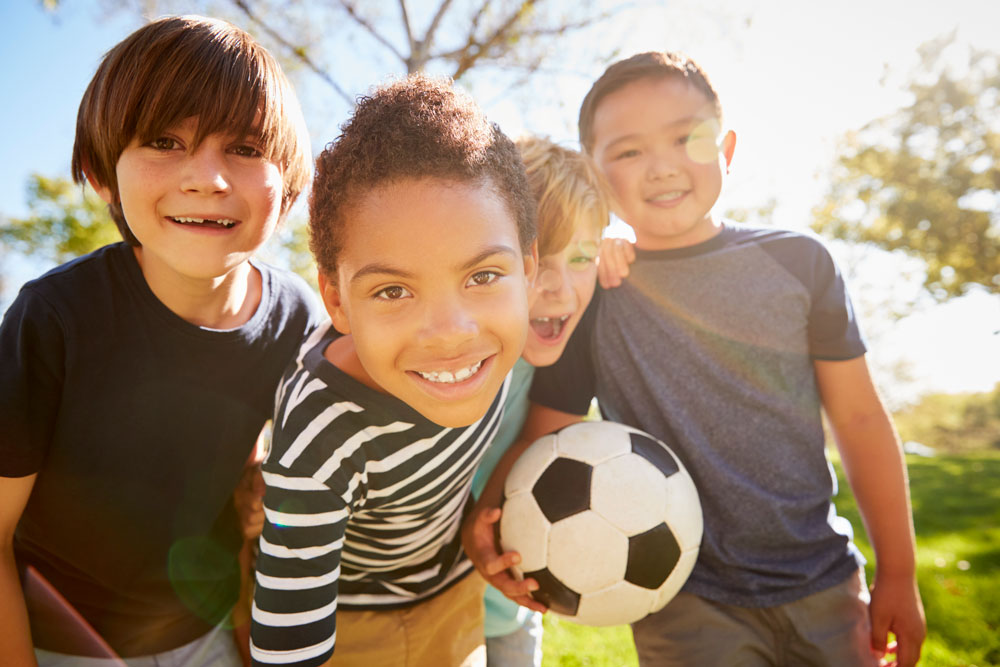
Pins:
<point x="478" y="536"/>
<point x="15" y="640"/>
<point x="875" y="468"/>
<point x="248" y="500"/>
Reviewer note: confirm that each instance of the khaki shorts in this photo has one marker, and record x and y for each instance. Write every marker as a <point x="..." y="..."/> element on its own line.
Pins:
<point x="831" y="627"/>
<point x="444" y="631"/>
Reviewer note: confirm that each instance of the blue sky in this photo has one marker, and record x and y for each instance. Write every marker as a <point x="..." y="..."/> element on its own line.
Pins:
<point x="793" y="81"/>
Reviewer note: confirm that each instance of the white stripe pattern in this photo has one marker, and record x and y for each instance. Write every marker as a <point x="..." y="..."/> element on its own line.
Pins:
<point x="364" y="505"/>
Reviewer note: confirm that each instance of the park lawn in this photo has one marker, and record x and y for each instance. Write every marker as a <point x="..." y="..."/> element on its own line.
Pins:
<point x="956" y="507"/>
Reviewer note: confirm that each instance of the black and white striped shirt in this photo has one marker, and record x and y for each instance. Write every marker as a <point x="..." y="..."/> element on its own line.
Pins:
<point x="365" y="498"/>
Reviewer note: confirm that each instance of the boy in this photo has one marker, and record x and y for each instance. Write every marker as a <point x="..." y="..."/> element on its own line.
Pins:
<point x="572" y="213"/>
<point x="423" y="227"/>
<point x="134" y="381"/>
<point x="725" y="342"/>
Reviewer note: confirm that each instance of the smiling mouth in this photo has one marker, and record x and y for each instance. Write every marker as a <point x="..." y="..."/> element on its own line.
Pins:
<point x="673" y="195"/>
<point x="549" y="328"/>
<point x="449" y="377"/>
<point x="224" y="223"/>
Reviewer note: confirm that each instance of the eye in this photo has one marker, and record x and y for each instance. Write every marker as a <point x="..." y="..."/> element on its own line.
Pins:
<point x="480" y="278"/>
<point x="631" y="152"/>
<point x="392" y="293"/>
<point x="580" y="262"/>
<point x="164" y="144"/>
<point x="247" y="150"/>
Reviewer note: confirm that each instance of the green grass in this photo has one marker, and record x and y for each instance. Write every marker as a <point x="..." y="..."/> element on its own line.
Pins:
<point x="956" y="508"/>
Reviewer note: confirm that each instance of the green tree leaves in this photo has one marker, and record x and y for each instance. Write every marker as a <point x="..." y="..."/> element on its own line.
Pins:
<point x="926" y="179"/>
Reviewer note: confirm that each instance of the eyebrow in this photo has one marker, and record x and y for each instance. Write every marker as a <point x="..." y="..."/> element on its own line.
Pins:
<point x="377" y="268"/>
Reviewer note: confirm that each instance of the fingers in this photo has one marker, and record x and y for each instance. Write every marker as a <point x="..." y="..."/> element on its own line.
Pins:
<point x="615" y="256"/>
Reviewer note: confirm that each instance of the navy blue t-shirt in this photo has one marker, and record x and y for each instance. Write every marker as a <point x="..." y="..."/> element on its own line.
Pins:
<point x="137" y="424"/>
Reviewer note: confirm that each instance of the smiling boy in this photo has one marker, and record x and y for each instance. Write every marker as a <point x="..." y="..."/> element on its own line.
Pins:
<point x="423" y="227"/>
<point x="728" y="342"/>
<point x="135" y="380"/>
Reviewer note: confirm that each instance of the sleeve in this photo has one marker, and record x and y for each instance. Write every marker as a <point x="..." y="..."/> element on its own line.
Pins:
<point x="569" y="384"/>
<point x="298" y="570"/>
<point x="833" y="330"/>
<point x="32" y="356"/>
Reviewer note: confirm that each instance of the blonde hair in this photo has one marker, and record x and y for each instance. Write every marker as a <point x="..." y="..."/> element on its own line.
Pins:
<point x="568" y="189"/>
<point x="179" y="67"/>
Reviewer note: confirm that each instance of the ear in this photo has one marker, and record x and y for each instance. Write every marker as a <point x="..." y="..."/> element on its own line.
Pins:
<point x="334" y="305"/>
<point x="104" y="191"/>
<point x="531" y="264"/>
<point x="728" y="148"/>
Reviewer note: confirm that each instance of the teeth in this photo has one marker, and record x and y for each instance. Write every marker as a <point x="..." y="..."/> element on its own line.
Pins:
<point x="667" y="196"/>
<point x="225" y="222"/>
<point x="447" y="377"/>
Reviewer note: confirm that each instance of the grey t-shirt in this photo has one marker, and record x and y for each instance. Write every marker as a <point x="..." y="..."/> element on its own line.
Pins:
<point x="710" y="348"/>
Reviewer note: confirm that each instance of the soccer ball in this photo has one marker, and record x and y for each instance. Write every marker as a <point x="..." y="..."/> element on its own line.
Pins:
<point x="606" y="520"/>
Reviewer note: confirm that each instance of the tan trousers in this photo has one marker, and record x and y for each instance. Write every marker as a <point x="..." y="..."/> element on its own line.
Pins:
<point x="444" y="631"/>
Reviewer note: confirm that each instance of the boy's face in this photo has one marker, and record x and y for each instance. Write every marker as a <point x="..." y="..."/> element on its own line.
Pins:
<point x="198" y="213"/>
<point x="563" y="289"/>
<point x="433" y="286"/>
<point x="658" y="142"/>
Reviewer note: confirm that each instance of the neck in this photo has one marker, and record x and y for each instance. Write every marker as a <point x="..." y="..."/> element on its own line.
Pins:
<point x="344" y="355"/>
<point x="223" y="302"/>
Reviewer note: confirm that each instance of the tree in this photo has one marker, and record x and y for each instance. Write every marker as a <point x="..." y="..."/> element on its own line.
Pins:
<point x="447" y="37"/>
<point x="65" y="221"/>
<point x="926" y="179"/>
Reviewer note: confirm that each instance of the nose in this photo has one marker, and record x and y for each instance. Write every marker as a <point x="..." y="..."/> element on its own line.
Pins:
<point x="661" y="164"/>
<point x="552" y="282"/>
<point x="449" y="322"/>
<point x="205" y="171"/>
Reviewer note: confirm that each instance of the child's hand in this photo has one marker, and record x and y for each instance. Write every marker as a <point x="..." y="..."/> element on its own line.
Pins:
<point x="479" y="542"/>
<point x="614" y="258"/>
<point x="249" y="503"/>
<point x="896" y="607"/>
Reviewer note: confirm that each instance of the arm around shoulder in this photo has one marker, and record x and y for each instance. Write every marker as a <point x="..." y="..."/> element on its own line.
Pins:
<point x="876" y="470"/>
<point x="15" y="640"/>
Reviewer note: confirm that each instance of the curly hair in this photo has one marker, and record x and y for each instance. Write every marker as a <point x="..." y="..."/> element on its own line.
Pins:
<point x="414" y="128"/>
<point x="649" y="65"/>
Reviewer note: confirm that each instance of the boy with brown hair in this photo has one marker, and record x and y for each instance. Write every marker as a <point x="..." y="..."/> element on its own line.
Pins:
<point x="725" y="342"/>
<point x="135" y="380"/>
<point x="423" y="226"/>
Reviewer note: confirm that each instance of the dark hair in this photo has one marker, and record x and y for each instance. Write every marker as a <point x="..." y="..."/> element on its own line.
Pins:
<point x="183" y="66"/>
<point x="649" y="65"/>
<point x="417" y="127"/>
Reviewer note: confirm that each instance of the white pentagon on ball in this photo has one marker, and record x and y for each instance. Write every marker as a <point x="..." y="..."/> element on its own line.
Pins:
<point x="606" y="519"/>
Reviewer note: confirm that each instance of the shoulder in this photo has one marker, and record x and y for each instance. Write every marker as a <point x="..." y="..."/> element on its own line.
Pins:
<point x="801" y="253"/>
<point x="79" y="285"/>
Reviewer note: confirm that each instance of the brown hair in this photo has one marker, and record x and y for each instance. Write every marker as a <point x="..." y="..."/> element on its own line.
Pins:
<point x="649" y="65"/>
<point x="568" y="190"/>
<point x="414" y="128"/>
<point x="183" y="66"/>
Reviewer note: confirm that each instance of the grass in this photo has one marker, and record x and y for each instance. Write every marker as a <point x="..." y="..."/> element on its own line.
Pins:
<point x="956" y="508"/>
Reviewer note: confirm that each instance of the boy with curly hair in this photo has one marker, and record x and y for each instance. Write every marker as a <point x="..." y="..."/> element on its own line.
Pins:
<point x="423" y="225"/>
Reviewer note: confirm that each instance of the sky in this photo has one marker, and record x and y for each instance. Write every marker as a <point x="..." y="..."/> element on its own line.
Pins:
<point x="793" y="77"/>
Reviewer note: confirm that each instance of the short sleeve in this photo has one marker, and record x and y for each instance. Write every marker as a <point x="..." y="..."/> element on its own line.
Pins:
<point x="32" y="356"/>
<point x="569" y="384"/>
<point x="833" y="329"/>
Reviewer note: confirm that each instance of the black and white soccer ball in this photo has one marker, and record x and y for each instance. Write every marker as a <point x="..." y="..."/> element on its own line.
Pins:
<point x="605" y="518"/>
